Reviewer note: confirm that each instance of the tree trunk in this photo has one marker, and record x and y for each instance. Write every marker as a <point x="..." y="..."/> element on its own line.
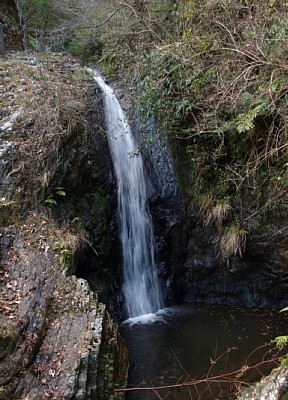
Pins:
<point x="2" y="42"/>
<point x="25" y="36"/>
<point x="41" y="42"/>
<point x="9" y="19"/>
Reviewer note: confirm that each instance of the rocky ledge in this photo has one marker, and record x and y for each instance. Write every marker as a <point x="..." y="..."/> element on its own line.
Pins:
<point x="273" y="387"/>
<point x="56" y="340"/>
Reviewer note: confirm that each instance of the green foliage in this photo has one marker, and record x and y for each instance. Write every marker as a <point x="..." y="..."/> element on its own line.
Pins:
<point x="50" y="200"/>
<point x="60" y="191"/>
<point x="86" y="45"/>
<point x="281" y="340"/>
<point x="214" y="77"/>
<point x="245" y="122"/>
<point x="41" y="14"/>
<point x="56" y="192"/>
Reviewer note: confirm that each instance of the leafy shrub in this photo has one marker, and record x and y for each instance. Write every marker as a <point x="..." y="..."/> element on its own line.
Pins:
<point x="213" y="74"/>
<point x="85" y="45"/>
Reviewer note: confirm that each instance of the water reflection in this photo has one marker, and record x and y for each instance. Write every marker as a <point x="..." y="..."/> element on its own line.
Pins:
<point x="199" y="341"/>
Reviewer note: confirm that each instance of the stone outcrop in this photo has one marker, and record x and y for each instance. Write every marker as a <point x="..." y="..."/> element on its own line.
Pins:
<point x="273" y="387"/>
<point x="258" y="279"/>
<point x="57" y="340"/>
<point x="46" y="144"/>
<point x="59" y="334"/>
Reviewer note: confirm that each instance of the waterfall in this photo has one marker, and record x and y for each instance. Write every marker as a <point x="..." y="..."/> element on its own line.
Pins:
<point x="140" y="282"/>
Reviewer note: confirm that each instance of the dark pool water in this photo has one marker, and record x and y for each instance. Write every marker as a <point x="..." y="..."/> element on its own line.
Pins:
<point x="201" y="342"/>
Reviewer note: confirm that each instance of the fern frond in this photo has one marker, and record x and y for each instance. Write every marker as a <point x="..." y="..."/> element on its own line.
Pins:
<point x="245" y="122"/>
<point x="281" y="340"/>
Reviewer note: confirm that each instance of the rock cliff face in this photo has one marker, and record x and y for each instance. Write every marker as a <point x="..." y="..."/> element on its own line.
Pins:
<point x="54" y="332"/>
<point x="258" y="279"/>
<point x="188" y="252"/>
<point x="164" y="201"/>
<point x="57" y="340"/>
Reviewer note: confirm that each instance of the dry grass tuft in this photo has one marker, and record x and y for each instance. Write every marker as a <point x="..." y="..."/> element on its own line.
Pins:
<point x="232" y="242"/>
<point x="215" y="212"/>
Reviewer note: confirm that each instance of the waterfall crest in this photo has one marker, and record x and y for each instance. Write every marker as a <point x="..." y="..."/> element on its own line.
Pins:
<point x="140" y="282"/>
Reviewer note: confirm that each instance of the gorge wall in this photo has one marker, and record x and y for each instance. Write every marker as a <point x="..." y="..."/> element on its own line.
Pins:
<point x="190" y="262"/>
<point x="224" y="111"/>
<point x="257" y="279"/>
<point x="59" y="221"/>
<point x="57" y="339"/>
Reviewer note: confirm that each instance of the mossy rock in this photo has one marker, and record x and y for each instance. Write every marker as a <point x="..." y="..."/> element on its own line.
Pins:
<point x="9" y="336"/>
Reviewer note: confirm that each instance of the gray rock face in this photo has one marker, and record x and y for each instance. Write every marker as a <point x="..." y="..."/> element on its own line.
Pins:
<point x="273" y="387"/>
<point x="5" y="150"/>
<point x="164" y="200"/>
<point x="59" y="330"/>
<point x="257" y="280"/>
<point x="188" y="254"/>
<point x="57" y="340"/>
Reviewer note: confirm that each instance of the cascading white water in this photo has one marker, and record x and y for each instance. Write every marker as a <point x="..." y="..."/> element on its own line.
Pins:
<point x="141" y="287"/>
